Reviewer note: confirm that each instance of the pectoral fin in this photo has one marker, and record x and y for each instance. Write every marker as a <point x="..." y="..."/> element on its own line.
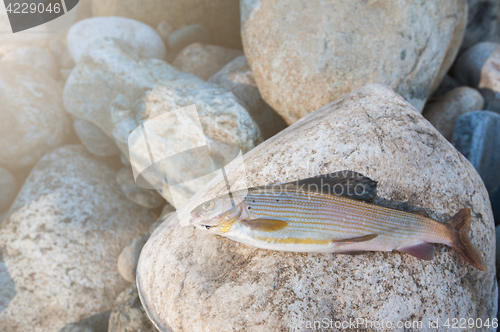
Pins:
<point x="423" y="251"/>
<point x="356" y="239"/>
<point x="266" y="225"/>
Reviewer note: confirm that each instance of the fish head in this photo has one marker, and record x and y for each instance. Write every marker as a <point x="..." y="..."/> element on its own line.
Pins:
<point x="216" y="215"/>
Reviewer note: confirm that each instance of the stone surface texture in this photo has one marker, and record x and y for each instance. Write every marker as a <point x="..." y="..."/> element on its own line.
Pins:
<point x="33" y="119"/>
<point x="204" y="60"/>
<point x="116" y="90"/>
<point x="408" y="45"/>
<point x="94" y="139"/>
<point x="476" y="137"/>
<point x="238" y="77"/>
<point x="220" y="17"/>
<point x="372" y="131"/>
<point x="128" y="315"/>
<point x="147" y="198"/>
<point x="36" y="57"/>
<point x="61" y="242"/>
<point x="138" y="35"/>
<point x="444" y="112"/>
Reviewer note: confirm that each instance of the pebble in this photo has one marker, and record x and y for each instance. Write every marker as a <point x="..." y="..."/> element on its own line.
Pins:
<point x="61" y="242"/>
<point x="144" y="39"/>
<point x="94" y="139"/>
<point x="164" y="29"/>
<point x="33" y="117"/>
<point x="300" y="68"/>
<point x="482" y="22"/>
<point x="98" y="91"/>
<point x="467" y="68"/>
<point x="36" y="57"/>
<point x="489" y="83"/>
<point x="128" y="315"/>
<point x="8" y="189"/>
<point x="204" y="60"/>
<point x="147" y="198"/>
<point x="238" y="77"/>
<point x="476" y="137"/>
<point x="373" y="131"/>
<point x="127" y="261"/>
<point x="444" y="112"/>
<point x="187" y="35"/>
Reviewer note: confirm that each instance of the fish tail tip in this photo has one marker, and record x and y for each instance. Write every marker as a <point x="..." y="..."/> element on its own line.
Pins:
<point x="460" y="228"/>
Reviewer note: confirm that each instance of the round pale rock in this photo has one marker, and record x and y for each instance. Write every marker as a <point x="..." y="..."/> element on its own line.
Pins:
<point x="61" y="242"/>
<point x="193" y="33"/>
<point x="33" y="117"/>
<point x="236" y="287"/>
<point x="8" y="189"/>
<point x="140" y="36"/>
<point x="128" y="315"/>
<point x="127" y="261"/>
<point x="408" y="45"/>
<point x="238" y="77"/>
<point x="94" y="139"/>
<point x="204" y="60"/>
<point x="221" y="17"/>
<point x="444" y="112"/>
<point x="36" y="57"/>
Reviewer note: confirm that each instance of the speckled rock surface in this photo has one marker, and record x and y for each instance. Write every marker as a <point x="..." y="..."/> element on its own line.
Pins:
<point x="128" y="314"/>
<point x="241" y="288"/>
<point x="60" y="244"/>
<point x="144" y="39"/>
<point x="32" y="112"/>
<point x="220" y="17"/>
<point x="238" y="77"/>
<point x="116" y="90"/>
<point x="444" y="112"/>
<point x="204" y="60"/>
<point x="36" y="57"/>
<point x="408" y="45"/>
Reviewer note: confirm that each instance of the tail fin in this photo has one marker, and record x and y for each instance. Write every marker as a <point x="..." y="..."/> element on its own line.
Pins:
<point x="460" y="227"/>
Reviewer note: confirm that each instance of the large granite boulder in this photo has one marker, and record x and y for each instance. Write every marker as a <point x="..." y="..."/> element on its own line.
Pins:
<point x="190" y="280"/>
<point x="61" y="242"/>
<point x="342" y="45"/>
<point x="118" y="91"/>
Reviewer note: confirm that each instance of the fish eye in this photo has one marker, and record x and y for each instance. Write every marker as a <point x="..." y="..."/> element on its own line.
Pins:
<point x="208" y="206"/>
<point x="208" y="227"/>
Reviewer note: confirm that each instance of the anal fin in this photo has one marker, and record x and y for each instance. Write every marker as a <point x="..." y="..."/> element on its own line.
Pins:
<point x="423" y="251"/>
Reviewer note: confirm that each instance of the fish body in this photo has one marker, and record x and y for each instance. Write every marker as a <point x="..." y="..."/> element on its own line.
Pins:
<point x="321" y="221"/>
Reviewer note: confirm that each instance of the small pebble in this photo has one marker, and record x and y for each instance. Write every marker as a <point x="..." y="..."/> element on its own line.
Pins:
<point x="35" y="57"/>
<point x="127" y="261"/>
<point x="476" y="136"/>
<point x="204" y="60"/>
<point x="8" y="189"/>
<point x="94" y="139"/>
<point x="164" y="29"/>
<point x="468" y="66"/>
<point x="444" y="112"/>
<point x="189" y="34"/>
<point x="144" y="197"/>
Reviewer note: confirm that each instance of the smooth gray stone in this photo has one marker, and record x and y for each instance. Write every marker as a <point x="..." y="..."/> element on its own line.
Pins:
<point x="491" y="99"/>
<point x="467" y="67"/>
<point x="477" y="137"/>
<point x="94" y="139"/>
<point x="94" y="323"/>
<point x="8" y="189"/>
<point x="189" y="34"/>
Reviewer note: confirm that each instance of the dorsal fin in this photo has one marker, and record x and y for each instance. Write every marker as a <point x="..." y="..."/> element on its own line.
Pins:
<point x="344" y="183"/>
